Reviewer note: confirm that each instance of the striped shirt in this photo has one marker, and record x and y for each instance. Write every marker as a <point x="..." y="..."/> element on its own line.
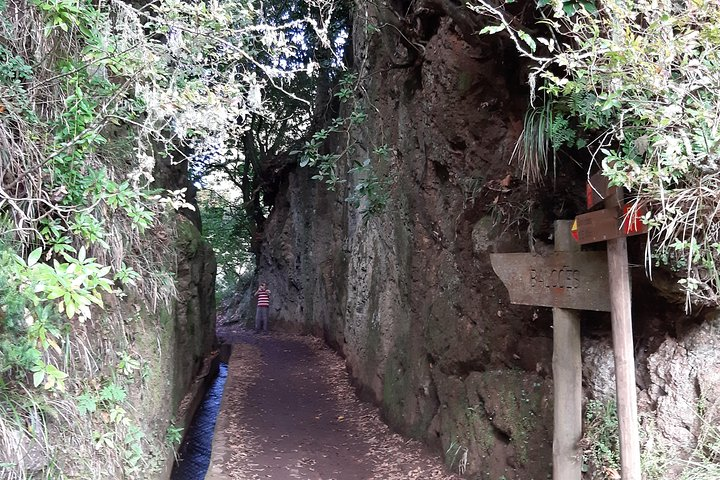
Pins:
<point x="263" y="298"/>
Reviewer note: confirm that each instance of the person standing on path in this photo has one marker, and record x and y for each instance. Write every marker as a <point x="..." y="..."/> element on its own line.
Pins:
<point x="263" y="306"/>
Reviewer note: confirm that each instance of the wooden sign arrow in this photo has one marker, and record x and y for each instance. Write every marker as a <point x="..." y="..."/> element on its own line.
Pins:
<point x="576" y="280"/>
<point x="607" y="224"/>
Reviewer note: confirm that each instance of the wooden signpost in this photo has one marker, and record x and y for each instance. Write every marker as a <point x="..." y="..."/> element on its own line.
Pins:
<point x="564" y="279"/>
<point x="567" y="375"/>
<point x="621" y="318"/>
<point x="570" y="280"/>
<point x="585" y="286"/>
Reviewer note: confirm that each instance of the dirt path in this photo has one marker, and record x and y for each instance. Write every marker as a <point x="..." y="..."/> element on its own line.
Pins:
<point x="289" y="412"/>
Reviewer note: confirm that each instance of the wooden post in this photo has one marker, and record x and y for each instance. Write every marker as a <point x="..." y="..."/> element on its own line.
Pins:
<point x="567" y="377"/>
<point x="556" y="280"/>
<point x="621" y="315"/>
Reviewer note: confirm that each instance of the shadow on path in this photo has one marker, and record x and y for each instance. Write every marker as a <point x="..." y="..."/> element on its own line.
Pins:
<point x="289" y="412"/>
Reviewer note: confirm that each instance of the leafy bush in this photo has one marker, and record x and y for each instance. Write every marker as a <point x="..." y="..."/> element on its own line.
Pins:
<point x="601" y="443"/>
<point x="633" y="85"/>
<point x="91" y="95"/>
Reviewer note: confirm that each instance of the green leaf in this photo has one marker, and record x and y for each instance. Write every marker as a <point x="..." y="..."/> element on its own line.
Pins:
<point x="590" y="7"/>
<point x="528" y="39"/>
<point x="56" y="373"/>
<point x="55" y="293"/>
<point x="34" y="257"/>
<point x="113" y="393"/>
<point x="86" y="404"/>
<point x="38" y="378"/>
<point x="569" y="9"/>
<point x="104" y="271"/>
<point x="491" y="29"/>
<point x="70" y="310"/>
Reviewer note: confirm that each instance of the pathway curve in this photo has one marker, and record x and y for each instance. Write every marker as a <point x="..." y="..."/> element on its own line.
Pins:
<point x="289" y="412"/>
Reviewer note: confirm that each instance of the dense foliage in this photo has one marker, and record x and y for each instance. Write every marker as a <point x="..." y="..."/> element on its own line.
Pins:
<point x="92" y="95"/>
<point x="635" y="86"/>
<point x="229" y="231"/>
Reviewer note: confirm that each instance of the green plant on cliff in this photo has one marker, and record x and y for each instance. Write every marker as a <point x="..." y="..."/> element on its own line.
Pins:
<point x="632" y="87"/>
<point x="91" y="96"/>
<point x="313" y="153"/>
<point x="456" y="453"/>
<point x="373" y="177"/>
<point x="704" y="461"/>
<point x="372" y="185"/>
<point x="601" y="444"/>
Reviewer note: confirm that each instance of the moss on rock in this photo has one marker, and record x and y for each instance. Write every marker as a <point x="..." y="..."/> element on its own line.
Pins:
<point x="189" y="237"/>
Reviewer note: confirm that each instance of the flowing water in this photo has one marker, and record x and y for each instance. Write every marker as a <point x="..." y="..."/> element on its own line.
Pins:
<point x="195" y="451"/>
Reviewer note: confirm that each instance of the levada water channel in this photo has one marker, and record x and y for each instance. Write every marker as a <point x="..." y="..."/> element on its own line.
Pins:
<point x="194" y="453"/>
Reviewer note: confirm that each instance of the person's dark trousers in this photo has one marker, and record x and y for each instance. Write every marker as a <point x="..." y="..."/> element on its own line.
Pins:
<point x="261" y="319"/>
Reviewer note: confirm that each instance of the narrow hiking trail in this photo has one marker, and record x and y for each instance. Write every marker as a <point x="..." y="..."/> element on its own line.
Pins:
<point x="289" y="412"/>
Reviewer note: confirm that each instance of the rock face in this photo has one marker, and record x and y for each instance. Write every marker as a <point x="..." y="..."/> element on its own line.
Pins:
<point x="190" y="333"/>
<point x="678" y="388"/>
<point x="408" y="296"/>
<point x="174" y="339"/>
<point x="188" y="325"/>
<point x="194" y="310"/>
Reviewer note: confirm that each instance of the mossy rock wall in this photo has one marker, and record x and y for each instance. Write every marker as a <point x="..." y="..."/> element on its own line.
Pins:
<point x="408" y="296"/>
<point x="175" y="341"/>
